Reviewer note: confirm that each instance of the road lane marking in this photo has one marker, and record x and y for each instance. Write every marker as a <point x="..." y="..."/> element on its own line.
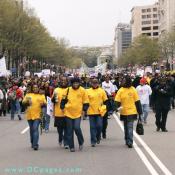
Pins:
<point x="25" y="130"/>
<point x="139" y="152"/>
<point x="149" y="151"/>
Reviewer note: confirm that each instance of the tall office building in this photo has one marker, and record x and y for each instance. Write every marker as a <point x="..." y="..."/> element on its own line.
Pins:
<point x="145" y="21"/>
<point x="122" y="39"/>
<point x="167" y="15"/>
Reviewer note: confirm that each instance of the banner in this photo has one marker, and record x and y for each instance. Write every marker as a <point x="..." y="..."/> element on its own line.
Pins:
<point x="46" y="72"/>
<point x="3" y="69"/>
<point x="101" y="68"/>
<point x="49" y="107"/>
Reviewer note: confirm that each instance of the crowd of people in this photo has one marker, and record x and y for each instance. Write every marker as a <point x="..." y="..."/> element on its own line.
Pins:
<point x="81" y="97"/>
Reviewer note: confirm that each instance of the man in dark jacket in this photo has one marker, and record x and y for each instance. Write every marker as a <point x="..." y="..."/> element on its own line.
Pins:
<point x="163" y="94"/>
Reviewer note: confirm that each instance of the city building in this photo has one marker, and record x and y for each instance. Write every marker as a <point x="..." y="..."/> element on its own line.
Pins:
<point x="167" y="15"/>
<point x="145" y="21"/>
<point x="122" y="39"/>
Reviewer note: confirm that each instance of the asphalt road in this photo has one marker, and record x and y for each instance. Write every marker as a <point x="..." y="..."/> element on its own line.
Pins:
<point x="153" y="153"/>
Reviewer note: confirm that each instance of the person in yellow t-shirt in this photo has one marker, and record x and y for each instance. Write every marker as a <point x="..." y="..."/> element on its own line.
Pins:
<point x="97" y="98"/>
<point x="60" y="121"/>
<point x="77" y="103"/>
<point x="34" y="102"/>
<point x="127" y="98"/>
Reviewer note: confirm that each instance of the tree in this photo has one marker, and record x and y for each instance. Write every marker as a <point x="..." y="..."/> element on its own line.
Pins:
<point x="143" y="50"/>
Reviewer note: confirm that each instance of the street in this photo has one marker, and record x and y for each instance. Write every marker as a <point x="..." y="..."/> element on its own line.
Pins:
<point x="152" y="153"/>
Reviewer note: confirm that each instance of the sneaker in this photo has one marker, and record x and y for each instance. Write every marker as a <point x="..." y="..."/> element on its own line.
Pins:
<point x="66" y="147"/>
<point x="80" y="147"/>
<point x="72" y="150"/>
<point x="60" y="143"/>
<point x="46" y="131"/>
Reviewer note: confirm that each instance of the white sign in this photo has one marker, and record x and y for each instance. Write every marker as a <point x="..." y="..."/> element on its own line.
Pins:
<point x="49" y="107"/>
<point x="101" y="68"/>
<point x="46" y="72"/>
<point x="148" y="69"/>
<point x="27" y="74"/>
<point x="140" y="72"/>
<point x="3" y="69"/>
<point x="39" y="74"/>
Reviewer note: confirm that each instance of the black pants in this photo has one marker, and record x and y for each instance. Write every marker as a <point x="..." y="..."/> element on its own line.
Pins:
<point x="3" y="111"/>
<point x="60" y="123"/>
<point x="105" y="124"/>
<point x="161" y="118"/>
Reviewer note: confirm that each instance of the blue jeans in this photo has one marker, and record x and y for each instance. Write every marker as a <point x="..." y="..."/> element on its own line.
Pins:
<point x="128" y="128"/>
<point x="96" y="123"/>
<point x="34" y="132"/>
<point x="73" y="125"/>
<point x="15" y="108"/>
<point x="145" y="109"/>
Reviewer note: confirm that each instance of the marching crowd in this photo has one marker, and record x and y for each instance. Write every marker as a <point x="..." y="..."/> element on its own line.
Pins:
<point x="96" y="98"/>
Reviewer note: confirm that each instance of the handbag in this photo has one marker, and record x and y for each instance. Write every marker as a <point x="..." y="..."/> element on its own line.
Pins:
<point x="64" y="100"/>
<point x="139" y="127"/>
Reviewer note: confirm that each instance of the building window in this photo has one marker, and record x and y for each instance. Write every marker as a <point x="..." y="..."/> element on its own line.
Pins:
<point x="146" y="28"/>
<point x="155" y="27"/>
<point x="155" y="9"/>
<point x="146" y="22"/>
<point x="155" y="15"/>
<point x="143" y="10"/>
<point x="148" y="10"/>
<point x="148" y="16"/>
<point x="143" y="16"/>
<point x="155" y="21"/>
<point x="155" y="33"/>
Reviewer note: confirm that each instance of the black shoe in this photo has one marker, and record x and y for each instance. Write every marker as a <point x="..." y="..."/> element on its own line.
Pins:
<point x="98" y="141"/>
<point x="158" y="129"/>
<point x="92" y="145"/>
<point x="19" y="117"/>
<point x="35" y="148"/>
<point x="104" y="136"/>
<point x="129" y="145"/>
<point x="72" y="150"/>
<point x="164" y="130"/>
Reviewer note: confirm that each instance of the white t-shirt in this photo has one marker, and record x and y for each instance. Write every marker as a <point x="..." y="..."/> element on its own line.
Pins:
<point x="144" y="93"/>
<point x="108" y="87"/>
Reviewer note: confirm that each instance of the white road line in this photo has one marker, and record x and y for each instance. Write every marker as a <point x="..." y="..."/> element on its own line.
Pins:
<point x="25" y="130"/>
<point x="149" y="151"/>
<point x="139" y="152"/>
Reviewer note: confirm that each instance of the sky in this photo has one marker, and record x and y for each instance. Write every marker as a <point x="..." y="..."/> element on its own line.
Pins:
<point x="85" y="22"/>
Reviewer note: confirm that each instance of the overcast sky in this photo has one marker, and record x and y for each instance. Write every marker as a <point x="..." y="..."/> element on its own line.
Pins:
<point x="85" y="22"/>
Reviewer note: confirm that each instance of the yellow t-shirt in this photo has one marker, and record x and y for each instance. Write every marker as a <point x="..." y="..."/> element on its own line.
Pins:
<point x="76" y="99"/>
<point x="127" y="97"/>
<point x="60" y="93"/>
<point x="34" y="111"/>
<point x="96" y="99"/>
